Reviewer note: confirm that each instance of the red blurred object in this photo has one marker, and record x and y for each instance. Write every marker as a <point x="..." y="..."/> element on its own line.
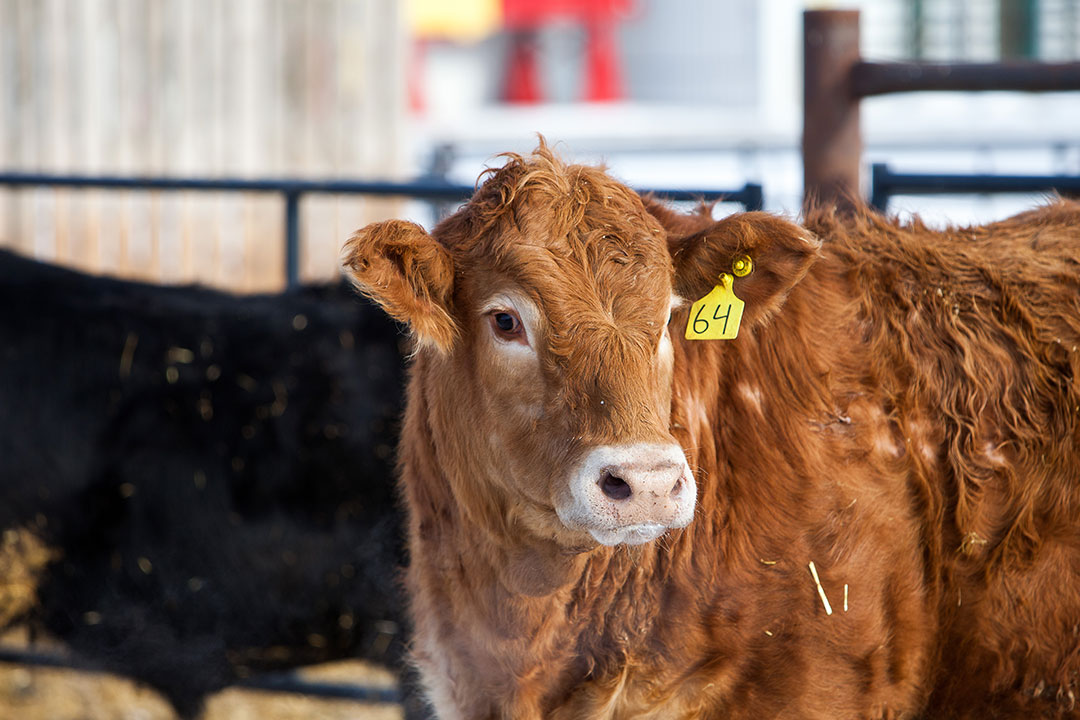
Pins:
<point x="603" y="76"/>
<point x="522" y="76"/>
<point x="521" y="14"/>
<point x="414" y="76"/>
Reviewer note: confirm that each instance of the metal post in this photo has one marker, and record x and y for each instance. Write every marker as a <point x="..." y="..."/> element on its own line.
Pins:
<point x="917" y="38"/>
<point x="879" y="189"/>
<point x="831" y="143"/>
<point x="292" y="238"/>
<point x="753" y="197"/>
<point x="1018" y="29"/>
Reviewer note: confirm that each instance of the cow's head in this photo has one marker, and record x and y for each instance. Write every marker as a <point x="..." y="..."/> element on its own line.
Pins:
<point x="543" y="316"/>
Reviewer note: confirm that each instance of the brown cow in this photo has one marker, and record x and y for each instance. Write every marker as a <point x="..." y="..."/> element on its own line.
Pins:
<point x="901" y="410"/>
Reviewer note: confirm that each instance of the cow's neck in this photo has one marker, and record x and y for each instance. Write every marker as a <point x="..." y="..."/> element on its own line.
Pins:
<point x="489" y="601"/>
<point x="458" y="515"/>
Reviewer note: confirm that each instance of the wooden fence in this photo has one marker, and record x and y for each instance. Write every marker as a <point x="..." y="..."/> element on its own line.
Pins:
<point x="248" y="88"/>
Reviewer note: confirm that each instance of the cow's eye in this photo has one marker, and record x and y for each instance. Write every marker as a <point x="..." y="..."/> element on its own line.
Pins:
<point x="506" y="325"/>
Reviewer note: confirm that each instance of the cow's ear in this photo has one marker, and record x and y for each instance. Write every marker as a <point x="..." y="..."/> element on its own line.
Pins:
<point x="409" y="273"/>
<point x="780" y="252"/>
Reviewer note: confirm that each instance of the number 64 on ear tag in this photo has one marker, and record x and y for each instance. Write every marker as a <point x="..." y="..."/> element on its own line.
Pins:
<point x="717" y="315"/>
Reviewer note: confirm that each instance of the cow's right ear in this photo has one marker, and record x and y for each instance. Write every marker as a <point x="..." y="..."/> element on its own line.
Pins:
<point x="409" y="273"/>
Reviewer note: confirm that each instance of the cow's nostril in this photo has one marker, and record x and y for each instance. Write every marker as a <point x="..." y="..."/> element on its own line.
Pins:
<point x="614" y="486"/>
<point x="678" y="486"/>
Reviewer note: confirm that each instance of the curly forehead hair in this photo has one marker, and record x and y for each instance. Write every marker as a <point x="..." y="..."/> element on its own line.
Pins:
<point x="541" y="186"/>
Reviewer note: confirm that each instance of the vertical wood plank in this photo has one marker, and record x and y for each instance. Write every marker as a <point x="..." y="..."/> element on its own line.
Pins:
<point x="105" y="150"/>
<point x="138" y="137"/>
<point x="7" y="133"/>
<point x="228" y="114"/>
<point x="200" y="132"/>
<point x="76" y="92"/>
<point x="52" y="240"/>
<point x="183" y="145"/>
<point x="321" y="43"/>
<point x="168" y="221"/>
<point x="26" y="104"/>
<point x="95" y="71"/>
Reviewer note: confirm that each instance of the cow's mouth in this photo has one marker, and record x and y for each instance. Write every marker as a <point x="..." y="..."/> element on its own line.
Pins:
<point x="629" y="535"/>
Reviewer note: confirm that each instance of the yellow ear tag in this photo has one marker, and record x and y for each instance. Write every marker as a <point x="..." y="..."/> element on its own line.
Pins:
<point x="717" y="315"/>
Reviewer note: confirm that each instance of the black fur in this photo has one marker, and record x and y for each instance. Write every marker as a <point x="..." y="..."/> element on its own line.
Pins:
<point x="216" y="471"/>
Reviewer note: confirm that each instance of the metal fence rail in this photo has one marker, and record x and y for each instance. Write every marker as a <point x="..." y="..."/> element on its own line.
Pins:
<point x="884" y="184"/>
<point x="292" y="189"/>
<point x="881" y="78"/>
<point x="836" y="79"/>
<point x="284" y="682"/>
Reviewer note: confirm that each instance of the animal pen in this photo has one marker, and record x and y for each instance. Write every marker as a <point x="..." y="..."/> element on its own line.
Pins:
<point x="836" y="79"/>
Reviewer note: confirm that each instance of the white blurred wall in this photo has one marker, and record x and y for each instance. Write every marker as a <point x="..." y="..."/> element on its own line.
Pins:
<point x="311" y="88"/>
<point x="714" y="99"/>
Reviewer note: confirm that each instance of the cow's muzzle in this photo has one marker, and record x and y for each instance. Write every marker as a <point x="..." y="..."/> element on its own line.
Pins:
<point x="630" y="493"/>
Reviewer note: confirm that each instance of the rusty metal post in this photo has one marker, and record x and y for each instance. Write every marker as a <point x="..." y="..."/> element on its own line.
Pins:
<point x="831" y="143"/>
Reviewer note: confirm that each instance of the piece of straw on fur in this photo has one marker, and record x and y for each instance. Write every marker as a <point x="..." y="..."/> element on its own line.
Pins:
<point x="821" y="590"/>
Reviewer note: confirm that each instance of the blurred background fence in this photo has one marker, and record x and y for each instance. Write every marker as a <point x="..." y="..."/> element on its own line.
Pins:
<point x="244" y="88"/>
<point x="695" y="94"/>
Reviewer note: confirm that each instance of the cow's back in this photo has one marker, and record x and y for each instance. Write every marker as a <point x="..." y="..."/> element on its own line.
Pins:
<point x="974" y="338"/>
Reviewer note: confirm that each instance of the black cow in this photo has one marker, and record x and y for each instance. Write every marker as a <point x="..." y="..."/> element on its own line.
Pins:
<point x="215" y="473"/>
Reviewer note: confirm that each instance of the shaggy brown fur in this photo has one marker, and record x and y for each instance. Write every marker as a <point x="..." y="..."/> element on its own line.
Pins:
<point x="901" y="408"/>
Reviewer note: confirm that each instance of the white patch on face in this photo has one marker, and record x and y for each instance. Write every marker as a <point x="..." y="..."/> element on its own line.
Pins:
<point x="515" y="361"/>
<point x="665" y="350"/>
<point x="660" y="488"/>
<point x="526" y="310"/>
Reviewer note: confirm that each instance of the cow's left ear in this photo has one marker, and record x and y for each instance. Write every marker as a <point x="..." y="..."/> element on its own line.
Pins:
<point x="781" y="253"/>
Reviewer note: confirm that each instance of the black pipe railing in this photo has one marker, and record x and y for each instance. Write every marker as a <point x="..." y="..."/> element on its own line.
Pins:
<point x="884" y="184"/>
<point x="430" y="189"/>
<point x="283" y="682"/>
<point x="881" y="78"/>
<point x="292" y="683"/>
